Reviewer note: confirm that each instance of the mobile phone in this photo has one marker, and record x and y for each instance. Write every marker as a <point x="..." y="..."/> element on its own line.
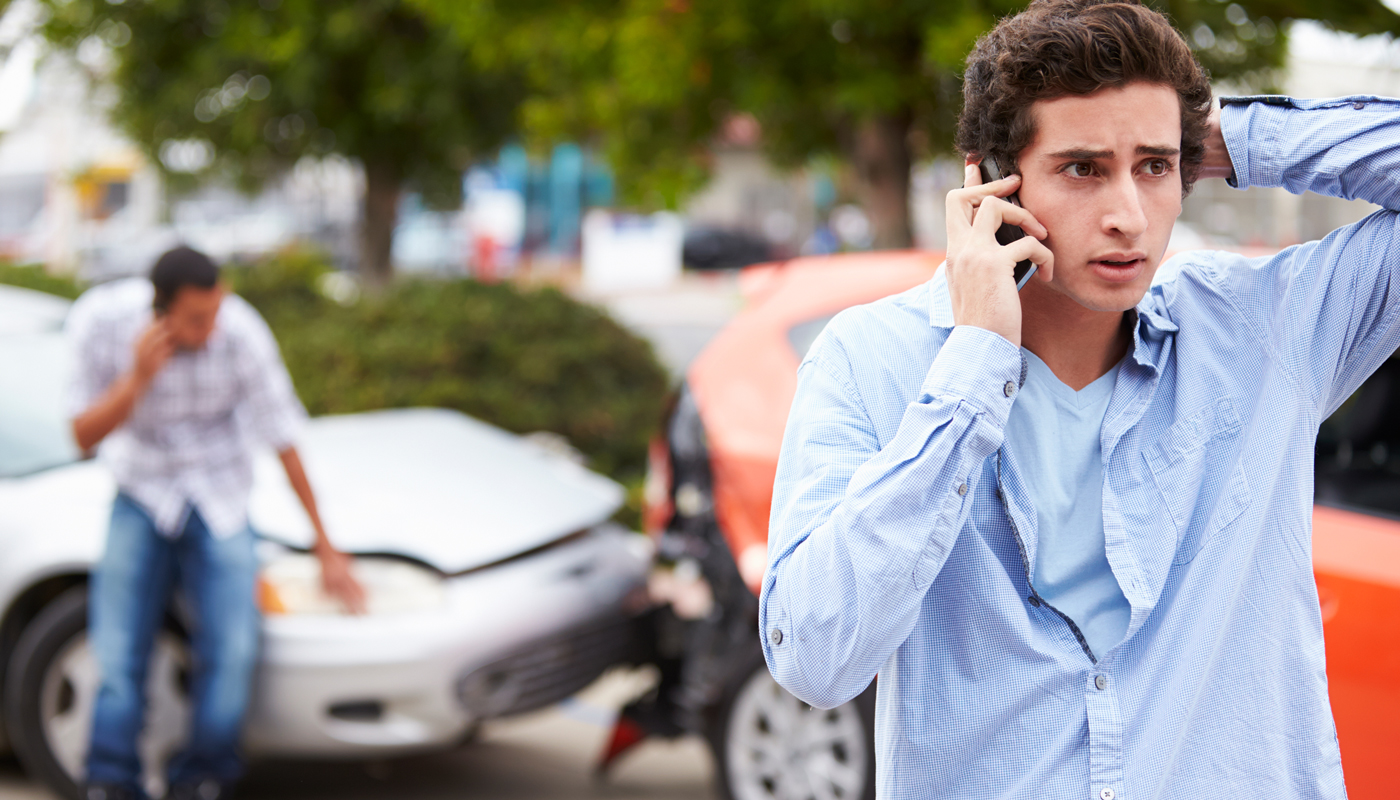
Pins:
<point x="1007" y="234"/>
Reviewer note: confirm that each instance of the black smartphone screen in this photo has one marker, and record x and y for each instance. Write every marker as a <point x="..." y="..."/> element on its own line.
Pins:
<point x="1007" y="234"/>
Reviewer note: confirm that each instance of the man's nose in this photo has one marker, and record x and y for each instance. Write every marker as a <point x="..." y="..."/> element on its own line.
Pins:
<point x="1125" y="214"/>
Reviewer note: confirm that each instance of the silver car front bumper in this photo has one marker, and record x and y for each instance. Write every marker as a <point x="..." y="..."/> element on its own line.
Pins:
<point x="509" y="638"/>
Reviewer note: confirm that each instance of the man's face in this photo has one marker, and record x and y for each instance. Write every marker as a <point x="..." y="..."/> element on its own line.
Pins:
<point x="191" y="315"/>
<point x="1103" y="176"/>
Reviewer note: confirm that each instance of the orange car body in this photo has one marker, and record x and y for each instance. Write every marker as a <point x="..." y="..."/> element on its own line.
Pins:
<point x="744" y="383"/>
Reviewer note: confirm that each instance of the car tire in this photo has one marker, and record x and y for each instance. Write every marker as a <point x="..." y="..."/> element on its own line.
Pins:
<point x="759" y="737"/>
<point x="51" y="685"/>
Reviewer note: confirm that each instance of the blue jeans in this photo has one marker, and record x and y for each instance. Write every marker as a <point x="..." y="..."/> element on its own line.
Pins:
<point x="130" y="594"/>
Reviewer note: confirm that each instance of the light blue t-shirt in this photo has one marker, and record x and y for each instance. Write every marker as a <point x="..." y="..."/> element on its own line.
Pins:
<point x="1054" y="433"/>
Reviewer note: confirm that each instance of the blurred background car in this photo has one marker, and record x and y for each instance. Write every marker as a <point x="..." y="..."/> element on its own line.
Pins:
<point x="709" y="497"/>
<point x="708" y="247"/>
<point x="496" y="582"/>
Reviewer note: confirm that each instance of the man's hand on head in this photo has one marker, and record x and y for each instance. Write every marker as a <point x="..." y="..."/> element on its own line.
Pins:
<point x="980" y="282"/>
<point x="153" y="349"/>
<point x="1217" y="163"/>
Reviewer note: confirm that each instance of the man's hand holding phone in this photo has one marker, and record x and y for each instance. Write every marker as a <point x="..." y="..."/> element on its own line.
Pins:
<point x="153" y="349"/>
<point x="980" y="282"/>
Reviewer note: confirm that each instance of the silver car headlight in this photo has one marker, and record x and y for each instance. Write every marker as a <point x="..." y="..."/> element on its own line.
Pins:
<point x="290" y="583"/>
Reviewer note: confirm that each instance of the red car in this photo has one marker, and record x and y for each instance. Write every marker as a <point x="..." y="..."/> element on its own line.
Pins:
<point x="711" y="489"/>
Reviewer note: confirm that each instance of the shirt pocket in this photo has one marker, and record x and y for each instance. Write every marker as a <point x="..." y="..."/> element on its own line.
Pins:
<point x="1201" y="487"/>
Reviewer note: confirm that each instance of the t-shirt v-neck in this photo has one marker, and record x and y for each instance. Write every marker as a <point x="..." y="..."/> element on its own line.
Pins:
<point x="1053" y="431"/>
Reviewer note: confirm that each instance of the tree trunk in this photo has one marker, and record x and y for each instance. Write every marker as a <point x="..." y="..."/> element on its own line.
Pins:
<point x="383" y="185"/>
<point x="882" y="161"/>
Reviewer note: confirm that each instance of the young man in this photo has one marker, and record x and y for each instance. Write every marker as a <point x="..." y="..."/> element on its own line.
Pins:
<point x="1070" y="528"/>
<point x="175" y="378"/>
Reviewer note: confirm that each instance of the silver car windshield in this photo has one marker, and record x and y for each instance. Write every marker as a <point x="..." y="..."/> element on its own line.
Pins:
<point x="35" y="433"/>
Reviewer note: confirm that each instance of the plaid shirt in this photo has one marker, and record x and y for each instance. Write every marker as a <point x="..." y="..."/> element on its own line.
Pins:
<point x="188" y="441"/>
<point x="903" y="537"/>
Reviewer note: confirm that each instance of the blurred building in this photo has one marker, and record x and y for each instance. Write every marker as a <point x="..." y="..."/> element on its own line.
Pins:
<point x="77" y="195"/>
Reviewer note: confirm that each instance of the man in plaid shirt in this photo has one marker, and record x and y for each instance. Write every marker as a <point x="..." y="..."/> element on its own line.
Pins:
<point x="177" y="379"/>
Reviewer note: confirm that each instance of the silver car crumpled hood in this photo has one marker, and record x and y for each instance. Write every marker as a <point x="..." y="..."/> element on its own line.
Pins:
<point x="431" y="484"/>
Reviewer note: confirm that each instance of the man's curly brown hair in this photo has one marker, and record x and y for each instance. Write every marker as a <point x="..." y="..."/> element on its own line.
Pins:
<point x="1075" y="47"/>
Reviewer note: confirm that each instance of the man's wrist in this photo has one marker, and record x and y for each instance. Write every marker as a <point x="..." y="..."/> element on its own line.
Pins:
<point x="1217" y="163"/>
<point x="979" y="366"/>
<point x="139" y="381"/>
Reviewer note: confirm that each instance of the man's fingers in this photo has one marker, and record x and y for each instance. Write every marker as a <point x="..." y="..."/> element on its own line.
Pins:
<point x="962" y="203"/>
<point x="1036" y="252"/>
<point x="972" y="176"/>
<point x="339" y="582"/>
<point x="994" y="212"/>
<point x="347" y="590"/>
<point x="353" y="596"/>
<point x="1023" y="219"/>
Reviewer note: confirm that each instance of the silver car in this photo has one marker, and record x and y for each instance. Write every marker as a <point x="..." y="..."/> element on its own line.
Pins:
<point x="496" y="582"/>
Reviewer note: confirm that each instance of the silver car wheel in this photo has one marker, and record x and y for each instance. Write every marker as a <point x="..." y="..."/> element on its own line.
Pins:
<point x="70" y="691"/>
<point x="780" y="748"/>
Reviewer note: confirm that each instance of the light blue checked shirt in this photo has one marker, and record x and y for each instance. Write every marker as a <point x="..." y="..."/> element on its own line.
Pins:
<point x="903" y="538"/>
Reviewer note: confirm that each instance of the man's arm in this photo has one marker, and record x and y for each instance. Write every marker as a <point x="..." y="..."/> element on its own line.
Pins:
<point x="335" y="565"/>
<point x="114" y="405"/>
<point x="860" y="531"/>
<point x="1326" y="310"/>
<point x="274" y="415"/>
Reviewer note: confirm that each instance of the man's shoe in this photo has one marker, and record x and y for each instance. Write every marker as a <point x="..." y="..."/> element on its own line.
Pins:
<point x="109" y="791"/>
<point x="207" y="789"/>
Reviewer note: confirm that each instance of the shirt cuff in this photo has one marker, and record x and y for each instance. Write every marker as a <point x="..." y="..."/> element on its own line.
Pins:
<point x="1253" y="119"/>
<point x="979" y="367"/>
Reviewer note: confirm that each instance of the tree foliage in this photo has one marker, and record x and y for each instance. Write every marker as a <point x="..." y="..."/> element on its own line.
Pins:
<point x="249" y="87"/>
<point x="872" y="83"/>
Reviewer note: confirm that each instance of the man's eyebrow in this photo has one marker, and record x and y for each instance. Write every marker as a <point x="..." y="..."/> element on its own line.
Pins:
<point x="1083" y="154"/>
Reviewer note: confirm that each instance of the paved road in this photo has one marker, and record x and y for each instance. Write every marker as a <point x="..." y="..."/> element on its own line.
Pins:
<point x="681" y="319"/>
<point x="544" y="756"/>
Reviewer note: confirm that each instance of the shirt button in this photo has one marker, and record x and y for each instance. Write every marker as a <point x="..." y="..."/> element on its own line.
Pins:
<point x="962" y="489"/>
<point x="1010" y="388"/>
<point x="1358" y="105"/>
<point x="1106" y="793"/>
<point x="1101" y="683"/>
<point x="1035" y="601"/>
<point x="775" y="636"/>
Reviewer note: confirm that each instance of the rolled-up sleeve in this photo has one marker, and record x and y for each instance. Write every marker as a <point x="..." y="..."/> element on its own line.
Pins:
<point x="1326" y="309"/>
<point x="859" y="531"/>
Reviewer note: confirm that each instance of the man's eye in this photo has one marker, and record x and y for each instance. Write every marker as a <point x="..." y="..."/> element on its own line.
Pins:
<point x="1082" y="169"/>
<point x="1158" y="166"/>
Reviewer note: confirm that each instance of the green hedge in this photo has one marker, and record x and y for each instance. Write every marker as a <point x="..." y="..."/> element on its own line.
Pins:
<point x="522" y="359"/>
<point x="34" y="277"/>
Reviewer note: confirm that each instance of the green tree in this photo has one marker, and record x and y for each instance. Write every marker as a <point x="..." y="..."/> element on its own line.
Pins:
<point x="243" y="89"/>
<point x="873" y="83"/>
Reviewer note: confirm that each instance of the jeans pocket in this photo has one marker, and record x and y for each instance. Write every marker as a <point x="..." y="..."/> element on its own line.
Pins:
<point x="1193" y="465"/>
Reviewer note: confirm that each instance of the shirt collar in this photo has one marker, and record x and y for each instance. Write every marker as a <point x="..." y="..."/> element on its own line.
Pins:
<point x="1152" y="325"/>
